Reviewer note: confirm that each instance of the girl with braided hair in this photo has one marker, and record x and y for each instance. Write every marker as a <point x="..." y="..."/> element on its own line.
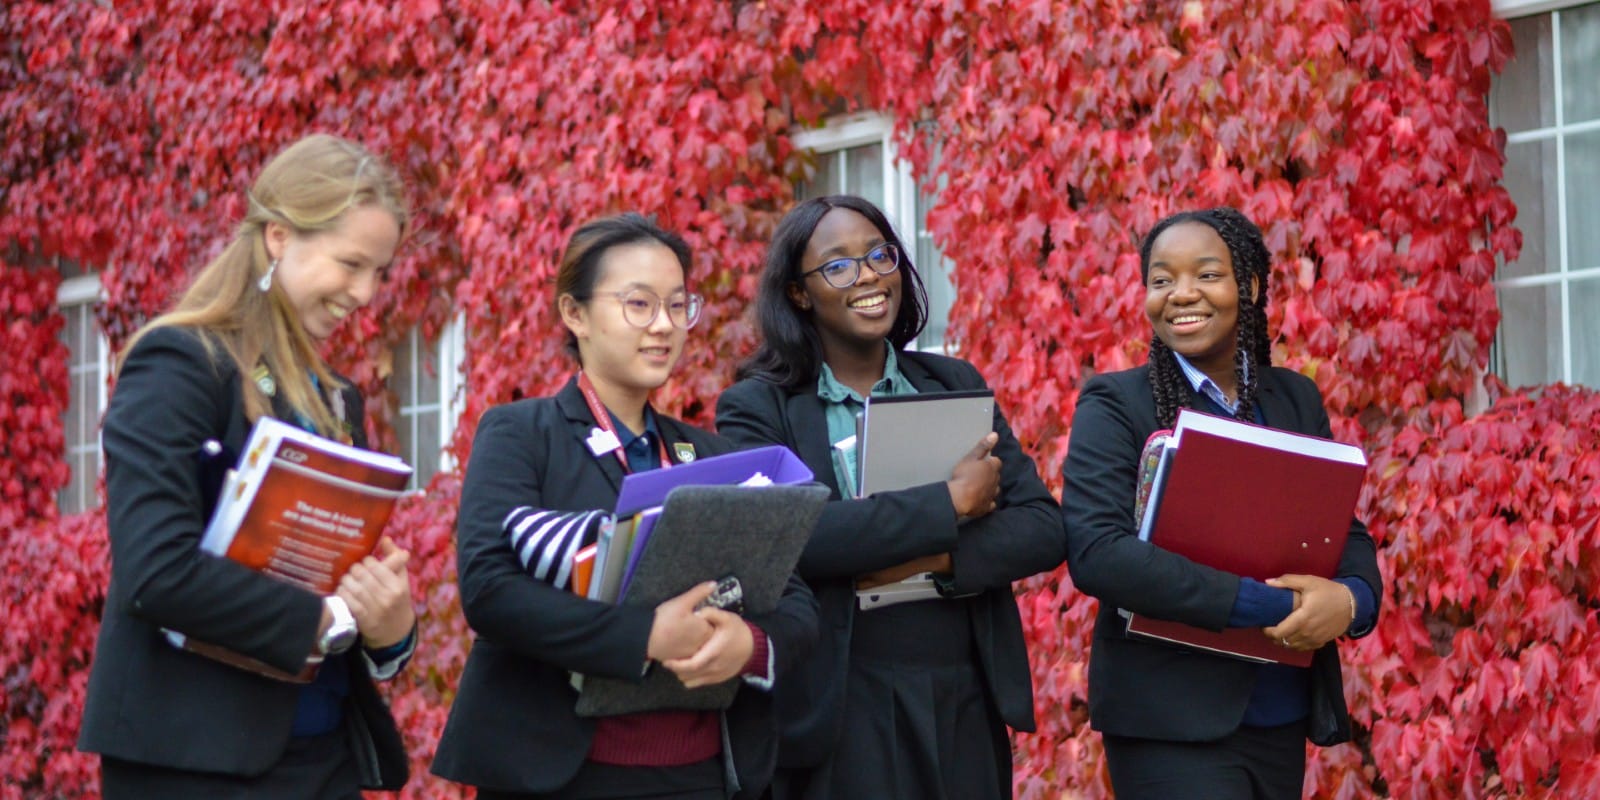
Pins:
<point x="1176" y="721"/>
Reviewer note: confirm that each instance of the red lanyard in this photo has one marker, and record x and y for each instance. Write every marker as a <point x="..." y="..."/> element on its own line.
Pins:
<point x="602" y="417"/>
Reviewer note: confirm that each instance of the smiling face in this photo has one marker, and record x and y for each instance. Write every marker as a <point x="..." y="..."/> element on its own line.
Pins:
<point x="859" y="317"/>
<point x="325" y="275"/>
<point x="1192" y="298"/>
<point x="617" y="355"/>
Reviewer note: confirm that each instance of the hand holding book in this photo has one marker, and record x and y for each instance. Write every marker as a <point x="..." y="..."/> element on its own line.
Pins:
<point x="975" y="480"/>
<point x="1323" y="611"/>
<point x="378" y="591"/>
<point x="723" y="654"/>
<point x="677" y="632"/>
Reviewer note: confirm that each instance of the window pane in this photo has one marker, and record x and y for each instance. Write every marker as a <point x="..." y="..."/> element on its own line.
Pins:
<point x="1529" y="350"/>
<point x="87" y="475"/>
<point x="1583" y="200"/>
<point x="70" y="500"/>
<point x="72" y="332"/>
<point x="406" y="437"/>
<point x="427" y="455"/>
<point x="1580" y="56"/>
<point x="1523" y="97"/>
<point x="1535" y="196"/>
<point x="403" y="378"/>
<point x="1585" y="306"/>
<point x="85" y="386"/>
<point x="826" y="179"/>
<point x="427" y="371"/>
<point x="864" y="173"/>
<point x="935" y="270"/>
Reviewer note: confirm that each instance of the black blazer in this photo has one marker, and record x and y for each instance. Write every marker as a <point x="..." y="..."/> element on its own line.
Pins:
<point x="1021" y="537"/>
<point x="1157" y="691"/>
<point x="512" y="726"/>
<point x="149" y="702"/>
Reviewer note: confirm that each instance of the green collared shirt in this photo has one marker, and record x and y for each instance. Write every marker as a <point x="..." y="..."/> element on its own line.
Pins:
<point x="840" y="404"/>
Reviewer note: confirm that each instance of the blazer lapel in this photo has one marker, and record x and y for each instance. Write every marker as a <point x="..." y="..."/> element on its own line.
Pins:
<point x="918" y="374"/>
<point x="1276" y="405"/>
<point x="581" y="424"/>
<point x="671" y="431"/>
<point x="810" y="427"/>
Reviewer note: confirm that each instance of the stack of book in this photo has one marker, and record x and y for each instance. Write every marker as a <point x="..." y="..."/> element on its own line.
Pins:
<point x="1247" y="499"/>
<point x="298" y="507"/>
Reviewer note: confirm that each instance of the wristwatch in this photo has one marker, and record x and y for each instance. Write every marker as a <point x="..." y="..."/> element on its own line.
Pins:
<point x="945" y="584"/>
<point x="342" y="633"/>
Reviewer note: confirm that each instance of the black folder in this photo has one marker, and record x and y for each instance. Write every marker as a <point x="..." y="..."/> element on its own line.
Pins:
<point x="706" y="533"/>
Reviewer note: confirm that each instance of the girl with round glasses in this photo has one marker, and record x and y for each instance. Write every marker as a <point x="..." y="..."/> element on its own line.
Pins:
<point x="909" y="700"/>
<point x="543" y="477"/>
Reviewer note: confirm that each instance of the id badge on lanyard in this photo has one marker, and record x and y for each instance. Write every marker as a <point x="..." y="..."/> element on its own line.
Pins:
<point x="604" y="437"/>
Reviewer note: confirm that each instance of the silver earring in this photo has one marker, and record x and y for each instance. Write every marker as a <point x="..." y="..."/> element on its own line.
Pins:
<point x="265" y="284"/>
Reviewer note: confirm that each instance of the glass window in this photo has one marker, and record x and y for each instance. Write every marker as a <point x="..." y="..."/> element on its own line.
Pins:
<point x="426" y="379"/>
<point x="86" y="391"/>
<point x="1547" y="104"/>
<point x="855" y="154"/>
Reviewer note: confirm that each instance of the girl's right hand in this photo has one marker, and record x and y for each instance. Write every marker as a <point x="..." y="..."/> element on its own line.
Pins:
<point x="677" y="632"/>
<point x="975" y="482"/>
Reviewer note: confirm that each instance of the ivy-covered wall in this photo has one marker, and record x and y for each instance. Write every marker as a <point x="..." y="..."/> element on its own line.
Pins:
<point x="1355" y="133"/>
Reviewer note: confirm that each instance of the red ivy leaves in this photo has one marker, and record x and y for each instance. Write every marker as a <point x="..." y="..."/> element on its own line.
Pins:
<point x="1354" y="133"/>
<point x="33" y="396"/>
<point x="1492" y="532"/>
<point x="45" y="650"/>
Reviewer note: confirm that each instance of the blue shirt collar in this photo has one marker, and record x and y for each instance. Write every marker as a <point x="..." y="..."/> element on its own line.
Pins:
<point x="1202" y="384"/>
<point x="627" y="436"/>
<point x="893" y="381"/>
<point x="640" y="448"/>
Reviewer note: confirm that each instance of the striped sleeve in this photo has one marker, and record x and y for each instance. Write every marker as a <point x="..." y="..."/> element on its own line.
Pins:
<point x="545" y="541"/>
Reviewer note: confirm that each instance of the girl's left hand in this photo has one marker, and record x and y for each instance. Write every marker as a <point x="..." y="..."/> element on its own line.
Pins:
<point x="1321" y="614"/>
<point x="723" y="656"/>
<point x="378" y="590"/>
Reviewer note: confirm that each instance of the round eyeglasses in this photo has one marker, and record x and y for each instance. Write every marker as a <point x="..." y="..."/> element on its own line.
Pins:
<point x="640" y="307"/>
<point x="843" y="272"/>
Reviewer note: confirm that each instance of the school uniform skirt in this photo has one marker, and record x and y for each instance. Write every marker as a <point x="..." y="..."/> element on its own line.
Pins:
<point x="918" y="720"/>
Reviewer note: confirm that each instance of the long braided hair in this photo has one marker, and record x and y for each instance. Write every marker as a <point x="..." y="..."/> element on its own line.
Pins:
<point x="1251" y="266"/>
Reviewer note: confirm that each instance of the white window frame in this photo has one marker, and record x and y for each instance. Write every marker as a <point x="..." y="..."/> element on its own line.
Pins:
<point x="899" y="185"/>
<point x="1511" y="9"/>
<point x="872" y="127"/>
<point x="1559" y="131"/>
<point x="85" y="291"/>
<point x="449" y="352"/>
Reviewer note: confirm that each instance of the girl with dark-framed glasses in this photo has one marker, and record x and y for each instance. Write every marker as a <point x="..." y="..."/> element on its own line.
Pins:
<point x="909" y="700"/>
<point x="543" y="476"/>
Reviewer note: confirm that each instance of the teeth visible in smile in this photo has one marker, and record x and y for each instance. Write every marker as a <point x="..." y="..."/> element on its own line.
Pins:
<point x="337" y="311"/>
<point x="875" y="301"/>
<point x="1187" y="318"/>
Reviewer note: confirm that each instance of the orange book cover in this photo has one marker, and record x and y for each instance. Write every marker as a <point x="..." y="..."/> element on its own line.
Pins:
<point x="303" y="509"/>
<point x="583" y="570"/>
<point x="313" y="512"/>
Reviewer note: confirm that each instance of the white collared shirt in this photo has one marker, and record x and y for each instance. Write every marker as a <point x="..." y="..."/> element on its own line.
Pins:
<point x="1203" y="384"/>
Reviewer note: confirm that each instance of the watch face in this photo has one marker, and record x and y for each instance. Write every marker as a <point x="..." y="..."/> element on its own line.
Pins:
<point x="338" y="639"/>
<point x="342" y="633"/>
